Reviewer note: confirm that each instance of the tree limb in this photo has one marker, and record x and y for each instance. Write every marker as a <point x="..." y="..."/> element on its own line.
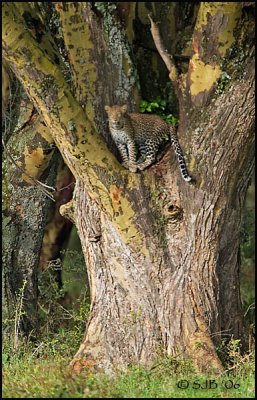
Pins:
<point x="167" y="58"/>
<point x="48" y="90"/>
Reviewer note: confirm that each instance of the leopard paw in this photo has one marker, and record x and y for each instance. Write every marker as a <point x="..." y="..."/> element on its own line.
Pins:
<point x="141" y="167"/>
<point x="125" y="165"/>
<point x="133" y="168"/>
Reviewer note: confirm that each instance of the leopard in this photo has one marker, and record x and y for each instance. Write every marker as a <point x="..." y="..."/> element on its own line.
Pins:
<point x="143" y="133"/>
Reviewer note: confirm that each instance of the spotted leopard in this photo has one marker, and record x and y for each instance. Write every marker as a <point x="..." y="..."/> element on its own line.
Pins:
<point x="145" y="132"/>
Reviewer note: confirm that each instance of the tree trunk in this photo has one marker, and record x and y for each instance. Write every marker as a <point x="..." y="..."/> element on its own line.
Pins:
<point x="178" y="289"/>
<point x="162" y="255"/>
<point x="25" y="210"/>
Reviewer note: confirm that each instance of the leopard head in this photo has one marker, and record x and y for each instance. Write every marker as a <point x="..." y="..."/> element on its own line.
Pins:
<point x="116" y="116"/>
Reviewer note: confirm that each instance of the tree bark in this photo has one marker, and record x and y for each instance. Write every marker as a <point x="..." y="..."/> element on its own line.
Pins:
<point x="162" y="255"/>
<point x="30" y="156"/>
<point x="25" y="210"/>
<point x="183" y="295"/>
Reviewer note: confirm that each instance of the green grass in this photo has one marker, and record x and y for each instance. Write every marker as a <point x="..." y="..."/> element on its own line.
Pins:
<point x="51" y="377"/>
<point x="44" y="372"/>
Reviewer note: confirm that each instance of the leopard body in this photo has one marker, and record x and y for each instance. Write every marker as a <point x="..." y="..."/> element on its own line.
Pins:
<point x="145" y="132"/>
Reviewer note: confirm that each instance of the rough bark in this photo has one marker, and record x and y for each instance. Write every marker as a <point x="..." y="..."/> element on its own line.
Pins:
<point x="186" y="290"/>
<point x="161" y="254"/>
<point x="25" y="208"/>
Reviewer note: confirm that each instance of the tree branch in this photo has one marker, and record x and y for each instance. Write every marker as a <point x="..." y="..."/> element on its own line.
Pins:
<point x="90" y="160"/>
<point x="54" y="99"/>
<point x="167" y="58"/>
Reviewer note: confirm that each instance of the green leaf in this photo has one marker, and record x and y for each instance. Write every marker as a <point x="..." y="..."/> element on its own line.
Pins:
<point x="4" y="358"/>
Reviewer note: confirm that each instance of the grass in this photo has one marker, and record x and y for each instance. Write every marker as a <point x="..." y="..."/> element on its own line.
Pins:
<point x="52" y="378"/>
<point x="42" y="371"/>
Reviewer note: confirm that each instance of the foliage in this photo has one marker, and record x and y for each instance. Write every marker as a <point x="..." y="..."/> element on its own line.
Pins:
<point x="247" y="278"/>
<point x="248" y="234"/>
<point x="59" y="304"/>
<point x="105" y="7"/>
<point x="222" y="83"/>
<point x="160" y="107"/>
<point x="63" y="312"/>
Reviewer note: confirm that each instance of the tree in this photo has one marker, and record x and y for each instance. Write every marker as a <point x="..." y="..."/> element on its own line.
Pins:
<point x="162" y="255"/>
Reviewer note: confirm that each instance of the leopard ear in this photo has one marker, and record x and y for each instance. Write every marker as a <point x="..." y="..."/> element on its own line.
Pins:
<point x="124" y="108"/>
<point x="107" y="108"/>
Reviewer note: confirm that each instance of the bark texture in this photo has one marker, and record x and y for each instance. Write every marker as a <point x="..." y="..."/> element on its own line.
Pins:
<point x="162" y="255"/>
<point x="25" y="209"/>
<point x="30" y="156"/>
